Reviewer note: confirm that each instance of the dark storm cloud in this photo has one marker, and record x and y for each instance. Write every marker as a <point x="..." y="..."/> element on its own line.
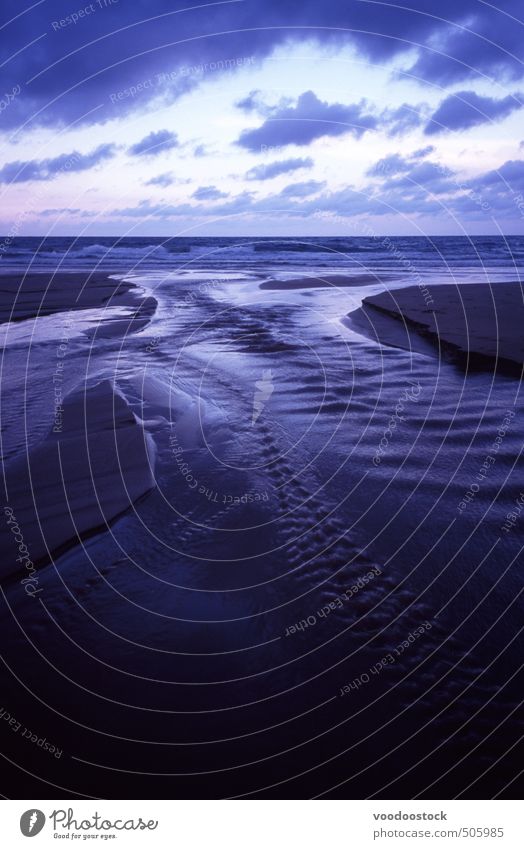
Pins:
<point x="308" y="120"/>
<point x="466" y="109"/>
<point x="48" y="169"/>
<point x="117" y="57"/>
<point x="282" y="166"/>
<point x="154" y="143"/>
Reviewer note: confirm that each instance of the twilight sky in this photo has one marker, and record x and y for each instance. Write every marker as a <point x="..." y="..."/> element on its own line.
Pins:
<point x="279" y="117"/>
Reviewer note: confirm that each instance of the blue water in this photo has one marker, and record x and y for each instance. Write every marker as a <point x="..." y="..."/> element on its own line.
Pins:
<point x="440" y="255"/>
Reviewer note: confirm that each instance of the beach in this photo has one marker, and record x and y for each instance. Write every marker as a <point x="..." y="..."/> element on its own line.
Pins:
<point x="479" y="325"/>
<point x="255" y="536"/>
<point x="95" y="459"/>
<point x="29" y="295"/>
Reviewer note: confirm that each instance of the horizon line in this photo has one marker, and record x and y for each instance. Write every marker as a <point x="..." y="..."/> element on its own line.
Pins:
<point x="266" y="236"/>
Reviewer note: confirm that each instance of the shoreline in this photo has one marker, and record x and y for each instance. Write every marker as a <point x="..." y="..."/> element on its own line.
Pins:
<point x="42" y="293"/>
<point x="464" y="323"/>
<point x="325" y="281"/>
<point x="89" y="470"/>
<point x="97" y="459"/>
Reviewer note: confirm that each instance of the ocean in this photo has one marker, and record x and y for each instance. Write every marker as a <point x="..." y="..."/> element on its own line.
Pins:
<point x="446" y="256"/>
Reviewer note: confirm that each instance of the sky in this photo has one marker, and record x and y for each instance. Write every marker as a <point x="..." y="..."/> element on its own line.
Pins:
<point x="282" y="117"/>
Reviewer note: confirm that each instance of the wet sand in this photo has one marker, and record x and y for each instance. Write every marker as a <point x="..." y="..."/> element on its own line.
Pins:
<point x="477" y="325"/>
<point x="216" y="639"/>
<point x="96" y="459"/>
<point x="32" y="295"/>
<point x="95" y="462"/>
<point x="322" y="281"/>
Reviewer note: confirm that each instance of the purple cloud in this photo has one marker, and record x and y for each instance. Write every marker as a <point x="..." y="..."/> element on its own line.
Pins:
<point x="163" y="180"/>
<point x="395" y="163"/>
<point x="422" y="152"/>
<point x="209" y="193"/>
<point x="392" y="164"/>
<point x="403" y="118"/>
<point x="273" y="169"/>
<point x="118" y="58"/>
<point x="308" y="120"/>
<point x="154" y="143"/>
<point x="489" y="43"/>
<point x="429" y="175"/>
<point x="48" y="169"/>
<point x="414" y="193"/>
<point x="466" y="109"/>
<point x="252" y="102"/>
<point x="509" y="177"/>
<point x="63" y="210"/>
<point x="302" y="190"/>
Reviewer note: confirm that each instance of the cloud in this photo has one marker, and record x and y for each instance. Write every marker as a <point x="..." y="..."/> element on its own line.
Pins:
<point x="499" y="191"/>
<point x="404" y="118"/>
<point x="112" y="62"/>
<point x="395" y="163"/>
<point x="60" y="211"/>
<point x="48" y="169"/>
<point x="346" y="203"/>
<point x="252" y="102"/>
<point x="489" y="43"/>
<point x="308" y="120"/>
<point x="411" y="181"/>
<point x="466" y="109"/>
<point x="302" y="190"/>
<point x="392" y="164"/>
<point x="154" y="143"/>
<point x="164" y="180"/>
<point x="428" y="175"/>
<point x="255" y="102"/>
<point x="208" y="193"/>
<point x="273" y="169"/>
<point x="510" y="176"/>
<point x="420" y="187"/>
<point x="427" y="190"/>
<point x="422" y="152"/>
<point x="147" y="209"/>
